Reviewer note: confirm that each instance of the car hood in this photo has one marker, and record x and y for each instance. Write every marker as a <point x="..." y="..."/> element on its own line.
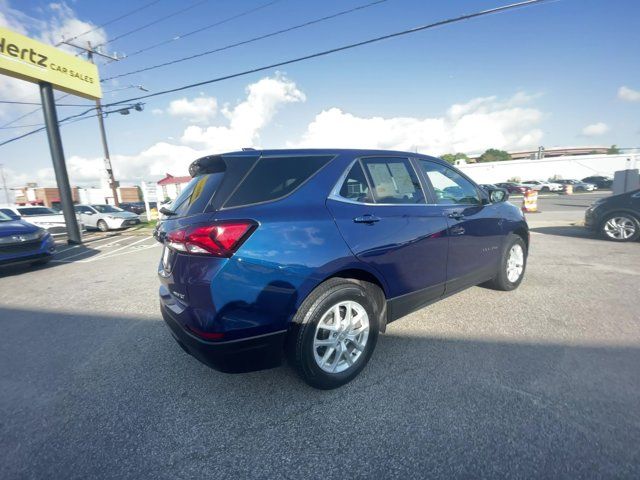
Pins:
<point x="16" y="227"/>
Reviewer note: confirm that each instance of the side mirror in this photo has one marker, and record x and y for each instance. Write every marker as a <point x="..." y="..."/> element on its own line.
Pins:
<point x="498" y="195"/>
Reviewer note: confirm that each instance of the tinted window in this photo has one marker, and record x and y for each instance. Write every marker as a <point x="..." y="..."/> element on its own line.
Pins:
<point x="35" y="211"/>
<point x="450" y="187"/>
<point x="275" y="177"/>
<point x="195" y="196"/>
<point x="82" y="209"/>
<point x="355" y="186"/>
<point x="6" y="214"/>
<point x="393" y="180"/>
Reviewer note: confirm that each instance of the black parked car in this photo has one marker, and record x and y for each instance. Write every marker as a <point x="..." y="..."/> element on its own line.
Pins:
<point x="617" y="217"/>
<point x="599" y="181"/>
<point x="137" y="207"/>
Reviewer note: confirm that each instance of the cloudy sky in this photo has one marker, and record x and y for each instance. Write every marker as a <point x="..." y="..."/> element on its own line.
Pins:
<point x="563" y="73"/>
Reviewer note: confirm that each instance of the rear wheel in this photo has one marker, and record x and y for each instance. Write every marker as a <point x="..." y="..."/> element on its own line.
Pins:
<point x="512" y="265"/>
<point x="545" y="189"/>
<point x="102" y="226"/>
<point x="620" y="227"/>
<point x="335" y="332"/>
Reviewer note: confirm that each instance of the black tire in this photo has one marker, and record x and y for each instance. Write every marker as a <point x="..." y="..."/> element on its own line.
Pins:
<point x="102" y="226"/>
<point x="501" y="280"/>
<point x="631" y="223"/>
<point x="300" y="341"/>
<point x="545" y="190"/>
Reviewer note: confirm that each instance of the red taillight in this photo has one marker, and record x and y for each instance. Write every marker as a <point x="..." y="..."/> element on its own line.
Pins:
<point x="221" y="239"/>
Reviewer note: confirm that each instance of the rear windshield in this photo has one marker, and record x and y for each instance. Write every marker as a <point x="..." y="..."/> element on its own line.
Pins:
<point x="195" y="197"/>
<point x="275" y="177"/>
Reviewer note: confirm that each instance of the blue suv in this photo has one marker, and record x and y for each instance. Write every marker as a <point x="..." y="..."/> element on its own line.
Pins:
<point x="309" y="254"/>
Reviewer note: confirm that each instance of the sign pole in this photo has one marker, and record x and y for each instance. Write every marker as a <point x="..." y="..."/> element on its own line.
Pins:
<point x="57" y="155"/>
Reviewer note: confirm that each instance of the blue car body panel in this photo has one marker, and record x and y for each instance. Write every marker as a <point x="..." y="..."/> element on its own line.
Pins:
<point x="415" y="253"/>
<point x="19" y="249"/>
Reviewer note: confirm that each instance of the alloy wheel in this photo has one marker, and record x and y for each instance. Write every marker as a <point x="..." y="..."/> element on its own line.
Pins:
<point x="515" y="263"/>
<point x="341" y="336"/>
<point x="620" y="228"/>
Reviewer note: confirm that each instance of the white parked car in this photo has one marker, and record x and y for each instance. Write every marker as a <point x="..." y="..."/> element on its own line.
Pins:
<point x="542" y="186"/>
<point x="42" y="217"/>
<point x="106" y="217"/>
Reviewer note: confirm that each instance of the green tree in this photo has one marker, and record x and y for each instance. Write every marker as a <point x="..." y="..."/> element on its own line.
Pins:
<point x="452" y="157"/>
<point x="613" y="150"/>
<point x="494" y="155"/>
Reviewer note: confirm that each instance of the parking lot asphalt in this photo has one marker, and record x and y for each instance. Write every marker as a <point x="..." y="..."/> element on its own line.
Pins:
<point x="540" y="382"/>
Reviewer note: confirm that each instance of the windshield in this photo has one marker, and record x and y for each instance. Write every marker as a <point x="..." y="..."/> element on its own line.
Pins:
<point x="4" y="217"/>
<point x="107" y="209"/>
<point x="32" y="211"/>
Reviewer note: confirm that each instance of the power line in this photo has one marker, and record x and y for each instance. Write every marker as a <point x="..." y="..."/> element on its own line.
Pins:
<point x="201" y="29"/>
<point x="30" y="112"/>
<point x="72" y="119"/>
<point x="14" y="102"/>
<point x="339" y="49"/>
<point x="251" y="40"/>
<point x="125" y="15"/>
<point x="13" y="127"/>
<point x="314" y="55"/>
<point x="158" y="20"/>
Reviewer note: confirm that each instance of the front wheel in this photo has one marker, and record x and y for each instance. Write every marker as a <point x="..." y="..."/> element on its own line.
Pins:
<point x="620" y="227"/>
<point x="102" y="226"/>
<point x="512" y="265"/>
<point x="334" y="334"/>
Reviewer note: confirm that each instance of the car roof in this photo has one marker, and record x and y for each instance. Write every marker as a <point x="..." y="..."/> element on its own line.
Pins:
<point x="329" y="151"/>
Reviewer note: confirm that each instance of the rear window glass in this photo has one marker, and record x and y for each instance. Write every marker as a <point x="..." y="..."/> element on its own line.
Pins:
<point x="275" y="177"/>
<point x="195" y="197"/>
<point x="35" y="211"/>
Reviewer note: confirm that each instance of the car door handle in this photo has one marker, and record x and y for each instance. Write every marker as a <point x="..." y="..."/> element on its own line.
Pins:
<point x="370" y="219"/>
<point x="456" y="215"/>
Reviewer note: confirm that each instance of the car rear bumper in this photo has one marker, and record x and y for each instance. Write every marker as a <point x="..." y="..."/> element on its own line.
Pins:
<point x="233" y="356"/>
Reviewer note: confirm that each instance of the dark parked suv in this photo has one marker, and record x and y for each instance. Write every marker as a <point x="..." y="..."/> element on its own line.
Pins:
<point x="311" y="253"/>
<point x="616" y="217"/>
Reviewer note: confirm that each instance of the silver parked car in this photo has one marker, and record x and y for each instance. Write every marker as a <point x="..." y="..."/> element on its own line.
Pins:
<point x="106" y="217"/>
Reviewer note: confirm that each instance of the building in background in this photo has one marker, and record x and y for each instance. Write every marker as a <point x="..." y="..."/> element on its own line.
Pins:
<point x="170" y="186"/>
<point x="31" y="194"/>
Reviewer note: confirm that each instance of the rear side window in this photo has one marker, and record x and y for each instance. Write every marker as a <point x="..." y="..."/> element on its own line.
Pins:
<point x="195" y="196"/>
<point x="393" y="180"/>
<point x="275" y="177"/>
<point x="355" y="186"/>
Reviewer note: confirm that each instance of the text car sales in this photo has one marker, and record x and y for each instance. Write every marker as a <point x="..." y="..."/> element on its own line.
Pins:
<point x="31" y="56"/>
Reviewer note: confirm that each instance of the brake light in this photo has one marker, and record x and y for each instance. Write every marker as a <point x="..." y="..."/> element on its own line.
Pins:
<point x="221" y="239"/>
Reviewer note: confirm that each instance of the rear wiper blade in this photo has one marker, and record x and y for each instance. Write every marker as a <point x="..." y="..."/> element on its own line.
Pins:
<point x="166" y="211"/>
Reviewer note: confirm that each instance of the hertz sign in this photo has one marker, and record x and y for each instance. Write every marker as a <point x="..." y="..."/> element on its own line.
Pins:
<point x="27" y="59"/>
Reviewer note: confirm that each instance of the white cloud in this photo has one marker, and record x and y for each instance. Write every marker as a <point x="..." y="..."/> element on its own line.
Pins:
<point x="199" y="110"/>
<point x="628" y="94"/>
<point x="595" y="129"/>
<point x="61" y="22"/>
<point x="246" y="119"/>
<point x="468" y="127"/>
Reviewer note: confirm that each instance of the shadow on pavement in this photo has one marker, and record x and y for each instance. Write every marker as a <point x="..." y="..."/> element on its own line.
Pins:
<point x="566" y="231"/>
<point x="90" y="395"/>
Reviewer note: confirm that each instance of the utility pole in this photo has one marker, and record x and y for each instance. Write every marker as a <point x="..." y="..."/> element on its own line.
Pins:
<point x="103" y="134"/>
<point x="4" y="183"/>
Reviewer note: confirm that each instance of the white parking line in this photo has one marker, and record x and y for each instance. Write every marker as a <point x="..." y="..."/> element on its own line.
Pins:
<point x="109" y="254"/>
<point x="84" y="245"/>
<point x="92" y="242"/>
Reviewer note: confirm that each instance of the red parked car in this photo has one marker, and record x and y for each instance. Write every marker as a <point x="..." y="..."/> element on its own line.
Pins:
<point x="512" y="187"/>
